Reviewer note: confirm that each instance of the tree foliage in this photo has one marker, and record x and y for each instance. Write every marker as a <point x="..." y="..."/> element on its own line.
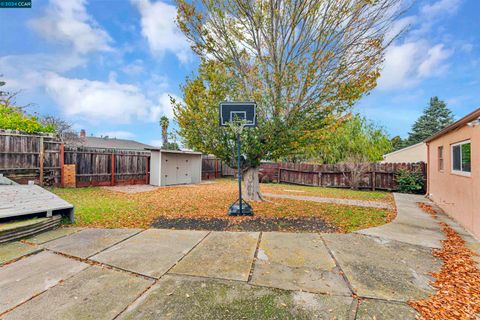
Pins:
<point x="305" y="63"/>
<point x="355" y="140"/>
<point x="434" y="118"/>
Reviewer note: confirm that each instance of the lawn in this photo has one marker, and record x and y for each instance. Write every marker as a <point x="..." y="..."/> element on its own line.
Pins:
<point x="380" y="196"/>
<point x="99" y="207"/>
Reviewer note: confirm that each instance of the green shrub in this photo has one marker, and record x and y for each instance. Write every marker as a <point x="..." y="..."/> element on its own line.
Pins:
<point x="409" y="181"/>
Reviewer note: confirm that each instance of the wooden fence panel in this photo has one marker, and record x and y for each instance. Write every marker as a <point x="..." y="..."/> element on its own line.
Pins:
<point x="376" y="175"/>
<point x="26" y="157"/>
<point x="105" y="167"/>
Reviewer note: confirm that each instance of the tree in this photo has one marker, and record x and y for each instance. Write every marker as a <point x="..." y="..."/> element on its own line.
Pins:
<point x="62" y="128"/>
<point x="355" y="143"/>
<point x="164" y="125"/>
<point x="14" y="117"/>
<point x="398" y="143"/>
<point x="305" y="63"/>
<point x="434" y="118"/>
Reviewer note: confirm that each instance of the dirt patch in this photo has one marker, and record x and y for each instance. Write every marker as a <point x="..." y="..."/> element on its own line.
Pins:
<point x="246" y="224"/>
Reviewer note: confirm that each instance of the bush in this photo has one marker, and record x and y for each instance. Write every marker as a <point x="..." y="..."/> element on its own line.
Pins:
<point x="409" y="181"/>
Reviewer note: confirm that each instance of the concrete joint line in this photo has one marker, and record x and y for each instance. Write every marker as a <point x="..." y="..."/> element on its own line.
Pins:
<point x="252" y="267"/>
<point x="6" y="263"/>
<point x="104" y="249"/>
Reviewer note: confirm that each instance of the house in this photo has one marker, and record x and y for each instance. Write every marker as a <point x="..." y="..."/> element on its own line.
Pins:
<point x="454" y="170"/>
<point x="414" y="153"/>
<point x="110" y="143"/>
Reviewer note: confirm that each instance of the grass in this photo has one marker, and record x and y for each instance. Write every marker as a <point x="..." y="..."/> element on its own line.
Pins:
<point x="100" y="207"/>
<point x="380" y="196"/>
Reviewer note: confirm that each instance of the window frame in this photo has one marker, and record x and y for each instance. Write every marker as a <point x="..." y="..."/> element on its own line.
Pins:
<point x="460" y="172"/>
<point x="441" y="158"/>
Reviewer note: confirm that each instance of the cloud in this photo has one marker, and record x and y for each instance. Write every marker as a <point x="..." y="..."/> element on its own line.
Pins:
<point x="119" y="134"/>
<point x="164" y="107"/>
<point x="134" y="68"/>
<point x="160" y="30"/>
<point x="67" y="21"/>
<point x="408" y="63"/>
<point x="98" y="101"/>
<point x="439" y="8"/>
<point x="28" y="71"/>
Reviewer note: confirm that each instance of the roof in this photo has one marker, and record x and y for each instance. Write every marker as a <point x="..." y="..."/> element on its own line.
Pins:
<point x="404" y="149"/>
<point x="460" y="123"/>
<point x="173" y="151"/>
<point x="113" y="143"/>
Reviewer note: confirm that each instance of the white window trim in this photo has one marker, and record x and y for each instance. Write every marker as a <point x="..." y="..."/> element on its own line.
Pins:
<point x="458" y="172"/>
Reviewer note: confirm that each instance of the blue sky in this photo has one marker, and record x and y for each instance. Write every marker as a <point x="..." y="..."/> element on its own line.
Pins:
<point x="110" y="66"/>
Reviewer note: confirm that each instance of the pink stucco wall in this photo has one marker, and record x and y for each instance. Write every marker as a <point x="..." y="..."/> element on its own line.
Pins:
<point x="457" y="195"/>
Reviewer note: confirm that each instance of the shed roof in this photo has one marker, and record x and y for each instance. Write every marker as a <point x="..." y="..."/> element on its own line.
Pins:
<point x="173" y="151"/>
<point x="460" y="123"/>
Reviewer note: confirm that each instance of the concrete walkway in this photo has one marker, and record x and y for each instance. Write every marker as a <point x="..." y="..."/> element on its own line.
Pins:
<point x="348" y="202"/>
<point x="174" y="274"/>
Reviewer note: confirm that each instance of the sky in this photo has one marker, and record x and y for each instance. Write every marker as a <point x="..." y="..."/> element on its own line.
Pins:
<point x="110" y="66"/>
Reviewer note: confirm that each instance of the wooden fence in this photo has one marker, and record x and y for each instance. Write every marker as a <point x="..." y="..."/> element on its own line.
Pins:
<point x="376" y="176"/>
<point x="26" y="157"/>
<point x="108" y="167"/>
<point x="211" y="168"/>
<point x="42" y="158"/>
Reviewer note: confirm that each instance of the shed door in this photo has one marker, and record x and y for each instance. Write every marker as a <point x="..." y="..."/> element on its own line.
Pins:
<point x="170" y="172"/>
<point x="183" y="169"/>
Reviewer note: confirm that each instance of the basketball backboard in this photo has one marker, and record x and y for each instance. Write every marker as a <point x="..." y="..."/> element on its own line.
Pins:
<point x="243" y="112"/>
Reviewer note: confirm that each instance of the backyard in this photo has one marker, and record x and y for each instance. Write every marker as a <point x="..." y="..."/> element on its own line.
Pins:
<point x="204" y="206"/>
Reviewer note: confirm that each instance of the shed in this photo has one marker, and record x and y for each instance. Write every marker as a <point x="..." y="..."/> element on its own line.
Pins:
<point x="171" y="167"/>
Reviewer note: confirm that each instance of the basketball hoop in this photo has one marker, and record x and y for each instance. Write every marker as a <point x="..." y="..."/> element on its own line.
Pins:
<point x="237" y="116"/>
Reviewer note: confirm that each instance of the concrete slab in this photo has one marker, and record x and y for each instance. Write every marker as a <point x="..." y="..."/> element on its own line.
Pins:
<point x="297" y="261"/>
<point x="14" y="250"/>
<point x="225" y="255"/>
<point x="52" y="235"/>
<point x="28" y="277"/>
<point x="178" y="297"/>
<point x="408" y="234"/>
<point x="408" y="212"/>
<point x="384" y="269"/>
<point x="94" y="293"/>
<point x="152" y="252"/>
<point x="88" y="242"/>
<point x="376" y="309"/>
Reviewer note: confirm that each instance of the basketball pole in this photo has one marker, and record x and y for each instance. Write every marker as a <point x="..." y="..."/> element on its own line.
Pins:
<point x="239" y="172"/>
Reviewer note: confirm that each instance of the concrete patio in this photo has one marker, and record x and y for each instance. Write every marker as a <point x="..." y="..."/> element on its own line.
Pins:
<point x="174" y="274"/>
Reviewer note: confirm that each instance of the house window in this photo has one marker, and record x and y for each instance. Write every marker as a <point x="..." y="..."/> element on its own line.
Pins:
<point x="461" y="158"/>
<point x="440" y="158"/>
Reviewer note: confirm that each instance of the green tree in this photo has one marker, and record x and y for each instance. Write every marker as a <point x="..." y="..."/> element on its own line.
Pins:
<point x="164" y="123"/>
<point x="398" y="143"/>
<point x="434" y="118"/>
<point x="305" y="63"/>
<point x="356" y="139"/>
<point x="13" y="117"/>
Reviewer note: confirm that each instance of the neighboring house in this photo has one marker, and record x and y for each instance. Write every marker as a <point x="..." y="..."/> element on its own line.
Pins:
<point x="414" y="153"/>
<point x="110" y="143"/>
<point x="454" y="170"/>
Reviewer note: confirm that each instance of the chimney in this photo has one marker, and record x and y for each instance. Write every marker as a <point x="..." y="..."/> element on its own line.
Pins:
<point x="82" y="133"/>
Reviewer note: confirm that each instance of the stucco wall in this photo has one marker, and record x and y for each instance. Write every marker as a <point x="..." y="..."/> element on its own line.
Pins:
<point x="457" y="195"/>
<point x="415" y="153"/>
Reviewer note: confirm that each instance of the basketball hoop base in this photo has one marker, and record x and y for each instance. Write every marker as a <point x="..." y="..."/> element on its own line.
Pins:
<point x="234" y="209"/>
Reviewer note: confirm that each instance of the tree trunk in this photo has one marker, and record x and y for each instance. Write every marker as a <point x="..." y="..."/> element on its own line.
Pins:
<point x="251" y="185"/>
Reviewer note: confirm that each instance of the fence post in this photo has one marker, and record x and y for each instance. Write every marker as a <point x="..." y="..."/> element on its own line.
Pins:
<point x="374" y="176"/>
<point x="62" y="163"/>
<point x="41" y="159"/>
<point x="113" y="169"/>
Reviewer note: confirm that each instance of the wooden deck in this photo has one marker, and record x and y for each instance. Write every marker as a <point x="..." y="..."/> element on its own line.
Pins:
<point x="19" y="200"/>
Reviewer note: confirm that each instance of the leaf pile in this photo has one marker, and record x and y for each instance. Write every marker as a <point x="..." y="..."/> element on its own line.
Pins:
<point x="457" y="282"/>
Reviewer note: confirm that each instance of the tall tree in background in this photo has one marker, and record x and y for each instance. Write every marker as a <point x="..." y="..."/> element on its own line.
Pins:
<point x="305" y="63"/>
<point x="434" y="118"/>
<point x="164" y="125"/>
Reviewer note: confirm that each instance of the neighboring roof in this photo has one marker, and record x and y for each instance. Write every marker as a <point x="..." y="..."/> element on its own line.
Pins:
<point x="460" y="123"/>
<point x="173" y="151"/>
<point x="404" y="149"/>
<point x="113" y="143"/>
